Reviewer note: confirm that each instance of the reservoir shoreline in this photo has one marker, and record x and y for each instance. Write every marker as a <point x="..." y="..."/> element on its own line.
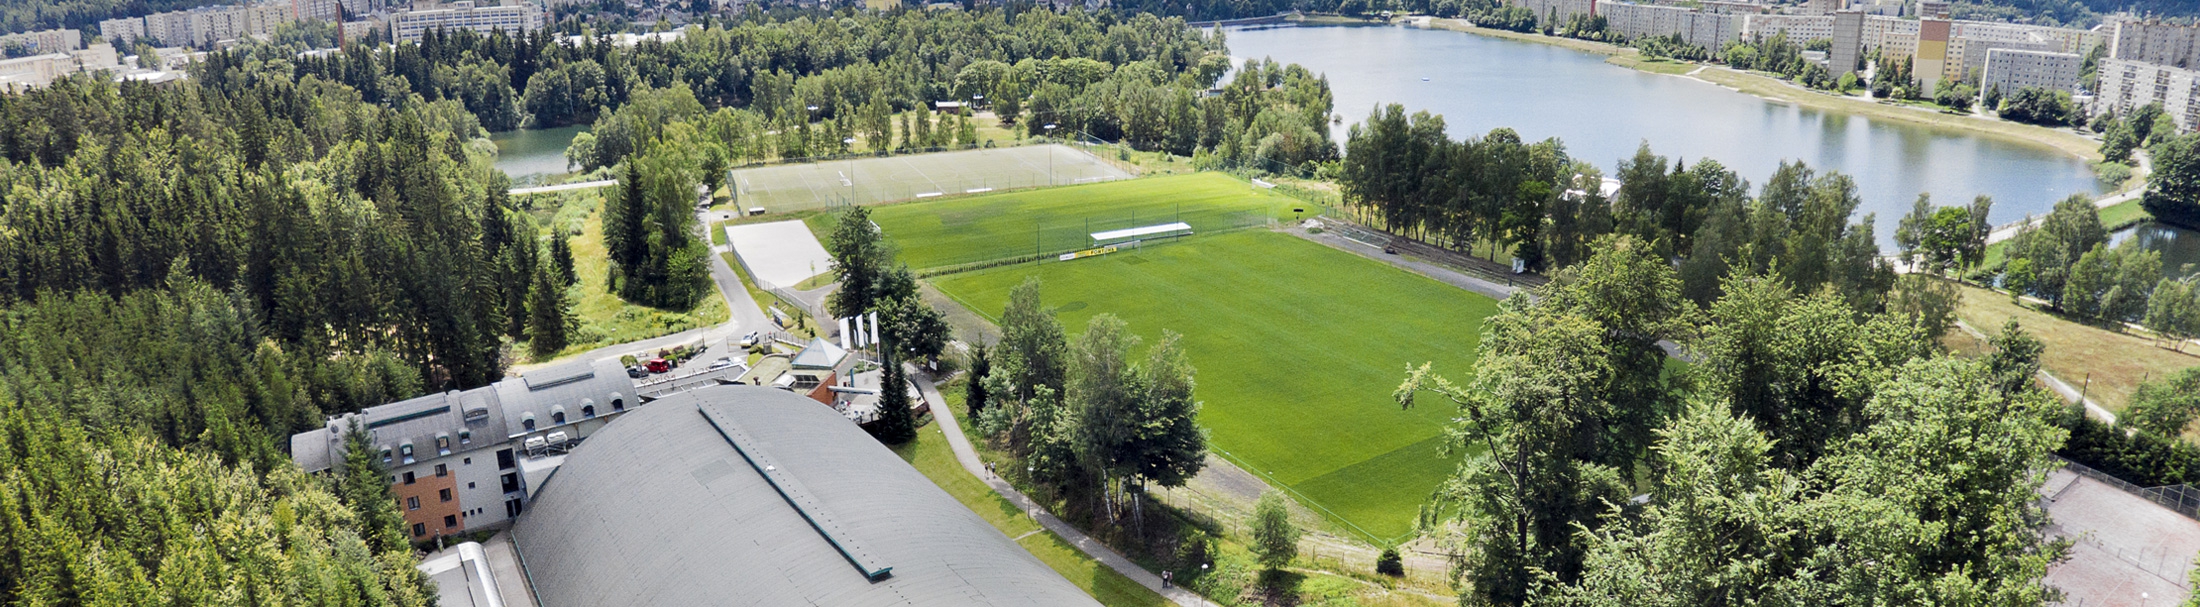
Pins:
<point x="1776" y="90"/>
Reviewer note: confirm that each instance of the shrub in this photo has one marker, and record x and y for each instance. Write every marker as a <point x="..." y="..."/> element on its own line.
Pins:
<point x="1390" y="563"/>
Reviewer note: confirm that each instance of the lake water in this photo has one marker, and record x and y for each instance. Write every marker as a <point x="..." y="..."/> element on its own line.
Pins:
<point x="2178" y="246"/>
<point x="1604" y="111"/>
<point x="534" y="152"/>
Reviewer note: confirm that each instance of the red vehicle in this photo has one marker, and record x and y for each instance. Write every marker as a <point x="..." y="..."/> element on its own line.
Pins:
<point x="658" y="365"/>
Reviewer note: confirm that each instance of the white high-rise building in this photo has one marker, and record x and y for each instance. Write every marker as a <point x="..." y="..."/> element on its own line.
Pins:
<point x="2011" y="70"/>
<point x="513" y="17"/>
<point x="2127" y="85"/>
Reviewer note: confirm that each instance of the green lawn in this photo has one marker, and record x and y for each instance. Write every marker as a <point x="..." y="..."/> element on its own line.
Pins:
<point x="1053" y="220"/>
<point x="1298" y="348"/>
<point x="601" y="318"/>
<point x="931" y="456"/>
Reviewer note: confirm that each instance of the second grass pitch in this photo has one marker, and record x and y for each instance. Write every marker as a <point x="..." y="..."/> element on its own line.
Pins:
<point x="976" y="229"/>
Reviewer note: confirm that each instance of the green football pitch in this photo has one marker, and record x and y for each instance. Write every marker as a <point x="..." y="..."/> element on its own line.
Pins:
<point x="990" y="227"/>
<point x="1298" y="348"/>
<point x="871" y="180"/>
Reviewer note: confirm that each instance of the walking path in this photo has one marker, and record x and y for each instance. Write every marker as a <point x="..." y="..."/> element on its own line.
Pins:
<point x="1091" y="547"/>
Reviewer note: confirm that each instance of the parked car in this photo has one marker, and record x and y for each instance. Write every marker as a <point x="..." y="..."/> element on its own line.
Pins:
<point x="749" y="341"/>
<point x="659" y="365"/>
<point x="637" y="372"/>
<point x="721" y="363"/>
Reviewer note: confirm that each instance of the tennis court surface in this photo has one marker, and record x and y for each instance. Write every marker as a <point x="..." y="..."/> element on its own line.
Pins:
<point x="869" y="180"/>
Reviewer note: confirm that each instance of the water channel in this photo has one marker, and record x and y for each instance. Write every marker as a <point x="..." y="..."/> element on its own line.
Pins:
<point x="538" y="152"/>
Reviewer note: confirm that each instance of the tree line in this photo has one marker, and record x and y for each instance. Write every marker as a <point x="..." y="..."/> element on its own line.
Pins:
<point x="1549" y="210"/>
<point x="190" y="272"/>
<point x="1812" y="455"/>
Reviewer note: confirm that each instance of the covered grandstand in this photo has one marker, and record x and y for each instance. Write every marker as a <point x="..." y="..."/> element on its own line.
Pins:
<point x="740" y="495"/>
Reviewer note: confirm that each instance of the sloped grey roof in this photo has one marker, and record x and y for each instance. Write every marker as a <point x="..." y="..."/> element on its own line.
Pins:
<point x="566" y="387"/>
<point x="660" y="508"/>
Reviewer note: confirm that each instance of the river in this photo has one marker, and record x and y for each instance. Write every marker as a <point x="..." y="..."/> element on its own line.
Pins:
<point x="540" y="152"/>
<point x="1603" y="111"/>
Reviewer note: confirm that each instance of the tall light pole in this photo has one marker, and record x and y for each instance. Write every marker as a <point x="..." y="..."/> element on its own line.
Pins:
<point x="851" y="141"/>
<point x="1050" y="154"/>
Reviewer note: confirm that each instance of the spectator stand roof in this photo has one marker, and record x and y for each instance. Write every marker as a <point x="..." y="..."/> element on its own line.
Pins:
<point x="790" y="505"/>
<point x="1130" y="234"/>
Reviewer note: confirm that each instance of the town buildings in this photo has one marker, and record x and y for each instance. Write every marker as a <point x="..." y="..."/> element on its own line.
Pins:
<point x="512" y="16"/>
<point x="200" y="27"/>
<point x="2151" y="62"/>
<point x="42" y="42"/>
<point x="36" y="71"/>
<point x="2010" y="70"/>
<point x="2127" y="84"/>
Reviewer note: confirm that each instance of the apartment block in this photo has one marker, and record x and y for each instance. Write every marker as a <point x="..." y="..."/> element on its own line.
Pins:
<point x="44" y="42"/>
<point x="2127" y="84"/>
<point x="1931" y="59"/>
<point x="1848" y="42"/>
<point x="202" y="26"/>
<point x="122" y="31"/>
<point x="1893" y="36"/>
<point x="1967" y="56"/>
<point x="22" y="73"/>
<point x="510" y="16"/>
<point x="2011" y="69"/>
<point x="2155" y="42"/>
<point x="319" y="10"/>
<point x="1799" y="28"/>
<point x="1553" y="12"/>
<point x="1701" y="29"/>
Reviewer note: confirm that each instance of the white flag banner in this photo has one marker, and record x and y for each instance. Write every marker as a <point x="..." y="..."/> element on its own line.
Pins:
<point x="874" y="326"/>
<point x="844" y="334"/>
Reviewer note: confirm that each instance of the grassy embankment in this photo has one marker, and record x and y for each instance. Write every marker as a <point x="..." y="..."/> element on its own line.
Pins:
<point x="1233" y="580"/>
<point x="603" y="318"/>
<point x="2107" y="364"/>
<point x="930" y="455"/>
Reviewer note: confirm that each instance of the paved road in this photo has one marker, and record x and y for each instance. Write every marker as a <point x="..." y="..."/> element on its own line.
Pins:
<point x="1091" y="547"/>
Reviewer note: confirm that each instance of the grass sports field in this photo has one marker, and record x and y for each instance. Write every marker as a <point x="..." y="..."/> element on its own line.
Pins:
<point x="870" y="180"/>
<point x="1298" y="348"/>
<point x="1055" y="220"/>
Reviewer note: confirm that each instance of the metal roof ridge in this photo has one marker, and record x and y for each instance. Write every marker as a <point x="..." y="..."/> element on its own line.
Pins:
<point x="821" y="518"/>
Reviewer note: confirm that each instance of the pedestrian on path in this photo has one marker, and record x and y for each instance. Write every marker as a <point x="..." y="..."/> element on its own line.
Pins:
<point x="989" y="470"/>
<point x="1166" y="578"/>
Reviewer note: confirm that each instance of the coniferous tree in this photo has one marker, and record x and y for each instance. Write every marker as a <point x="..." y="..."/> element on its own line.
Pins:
<point x="548" y="314"/>
<point x="896" y="423"/>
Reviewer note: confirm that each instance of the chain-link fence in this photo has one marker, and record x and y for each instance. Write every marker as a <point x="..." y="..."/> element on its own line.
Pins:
<point x="2183" y="499"/>
<point x="1053" y="236"/>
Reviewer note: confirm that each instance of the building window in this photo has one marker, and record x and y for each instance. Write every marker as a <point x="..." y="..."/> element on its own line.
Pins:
<point x="469" y="485"/>
<point x="469" y="461"/>
<point x="412" y="503"/>
<point x="445" y="494"/>
<point x="442" y="470"/>
<point x="504" y="459"/>
<point x="588" y="411"/>
<point x="450" y="520"/>
<point x="420" y="529"/>
<point x="528" y="422"/>
<point x="408" y="478"/>
<point x="618" y="404"/>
